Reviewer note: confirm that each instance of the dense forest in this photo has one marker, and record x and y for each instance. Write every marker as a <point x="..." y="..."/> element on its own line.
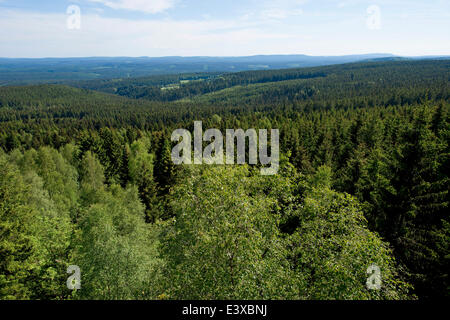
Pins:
<point x="86" y="178"/>
<point x="51" y="70"/>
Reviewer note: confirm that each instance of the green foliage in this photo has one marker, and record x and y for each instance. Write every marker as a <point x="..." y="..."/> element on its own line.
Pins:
<point x="223" y="242"/>
<point x="332" y="248"/>
<point x="16" y="242"/>
<point x="141" y="169"/>
<point x="116" y="250"/>
<point x="44" y="233"/>
<point x="364" y="179"/>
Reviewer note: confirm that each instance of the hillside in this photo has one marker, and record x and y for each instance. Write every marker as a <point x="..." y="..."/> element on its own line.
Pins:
<point x="262" y="87"/>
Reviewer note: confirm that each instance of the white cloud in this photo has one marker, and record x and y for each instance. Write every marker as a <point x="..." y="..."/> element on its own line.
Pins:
<point x="280" y="14"/>
<point x="29" y="34"/>
<point x="347" y="3"/>
<point x="148" y="6"/>
<point x="281" y="9"/>
<point x="26" y="34"/>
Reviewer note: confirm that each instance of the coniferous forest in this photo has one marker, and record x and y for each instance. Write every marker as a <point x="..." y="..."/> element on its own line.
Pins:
<point x="87" y="179"/>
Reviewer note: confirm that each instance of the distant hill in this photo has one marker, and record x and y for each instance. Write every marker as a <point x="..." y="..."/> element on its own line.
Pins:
<point x="379" y="74"/>
<point x="161" y="102"/>
<point x="28" y="71"/>
<point x="52" y="95"/>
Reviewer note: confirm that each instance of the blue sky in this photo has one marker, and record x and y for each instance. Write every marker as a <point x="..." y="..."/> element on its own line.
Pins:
<point x="223" y="28"/>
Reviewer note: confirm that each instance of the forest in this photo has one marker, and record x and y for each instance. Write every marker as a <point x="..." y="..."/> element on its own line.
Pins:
<point x="28" y="71"/>
<point x="87" y="179"/>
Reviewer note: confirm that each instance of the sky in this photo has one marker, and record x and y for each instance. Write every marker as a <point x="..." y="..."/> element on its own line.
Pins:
<point x="134" y="28"/>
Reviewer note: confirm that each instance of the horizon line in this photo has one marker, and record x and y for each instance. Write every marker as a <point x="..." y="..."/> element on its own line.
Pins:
<point x="233" y="56"/>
